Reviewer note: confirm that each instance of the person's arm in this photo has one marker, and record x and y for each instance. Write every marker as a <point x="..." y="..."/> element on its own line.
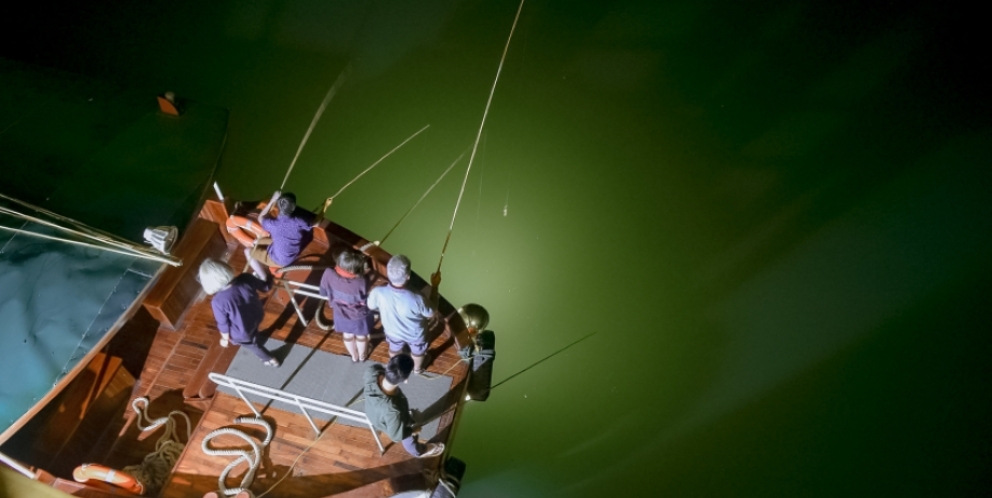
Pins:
<point x="396" y="425"/>
<point x="223" y="322"/>
<point x="268" y="207"/>
<point x="262" y="285"/>
<point x="373" y="301"/>
<point x="325" y="285"/>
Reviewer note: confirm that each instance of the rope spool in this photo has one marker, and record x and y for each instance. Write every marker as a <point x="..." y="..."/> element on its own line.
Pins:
<point x="155" y="468"/>
<point x="253" y="459"/>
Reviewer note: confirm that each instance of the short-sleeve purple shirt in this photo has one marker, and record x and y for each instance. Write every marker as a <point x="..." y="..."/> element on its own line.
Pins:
<point x="238" y="309"/>
<point x="347" y="298"/>
<point x="290" y="234"/>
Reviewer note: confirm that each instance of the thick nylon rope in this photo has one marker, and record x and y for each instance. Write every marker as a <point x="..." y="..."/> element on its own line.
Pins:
<point x="81" y="230"/>
<point x="383" y="240"/>
<point x="317" y="316"/>
<point x="155" y="468"/>
<point x="172" y="262"/>
<point x="94" y="232"/>
<point x="479" y="135"/>
<point x="379" y="161"/>
<point x="253" y="459"/>
<point x="316" y="117"/>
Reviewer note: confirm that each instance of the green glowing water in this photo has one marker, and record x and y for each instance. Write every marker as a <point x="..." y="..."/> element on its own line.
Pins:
<point x="774" y="217"/>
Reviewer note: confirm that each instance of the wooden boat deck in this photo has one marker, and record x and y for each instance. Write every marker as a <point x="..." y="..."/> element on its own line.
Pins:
<point x="345" y="459"/>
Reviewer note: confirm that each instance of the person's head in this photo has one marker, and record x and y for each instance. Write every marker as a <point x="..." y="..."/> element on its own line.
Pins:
<point x="287" y="204"/>
<point x="399" y="369"/>
<point x="214" y="276"/>
<point x="398" y="270"/>
<point x="352" y="261"/>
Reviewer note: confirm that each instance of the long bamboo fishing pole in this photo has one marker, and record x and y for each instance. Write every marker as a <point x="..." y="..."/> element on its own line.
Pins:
<point x="542" y="360"/>
<point x="327" y="203"/>
<point x="478" y="135"/>
<point x="383" y="240"/>
<point x="377" y="162"/>
<point x="316" y="117"/>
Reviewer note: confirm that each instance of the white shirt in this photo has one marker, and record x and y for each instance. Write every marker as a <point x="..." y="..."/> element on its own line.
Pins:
<point x="404" y="313"/>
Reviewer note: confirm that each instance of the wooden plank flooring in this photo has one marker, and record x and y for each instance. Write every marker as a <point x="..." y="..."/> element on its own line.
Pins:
<point x="345" y="459"/>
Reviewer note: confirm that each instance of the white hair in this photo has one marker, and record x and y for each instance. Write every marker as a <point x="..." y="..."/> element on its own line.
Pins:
<point x="214" y="276"/>
<point x="398" y="270"/>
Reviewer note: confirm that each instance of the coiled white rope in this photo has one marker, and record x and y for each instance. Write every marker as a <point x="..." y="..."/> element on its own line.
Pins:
<point x="253" y="459"/>
<point x="318" y="317"/>
<point x="155" y="468"/>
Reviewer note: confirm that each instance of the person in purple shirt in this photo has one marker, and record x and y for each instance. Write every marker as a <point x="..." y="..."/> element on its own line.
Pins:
<point x="346" y="287"/>
<point x="236" y="306"/>
<point x="289" y="233"/>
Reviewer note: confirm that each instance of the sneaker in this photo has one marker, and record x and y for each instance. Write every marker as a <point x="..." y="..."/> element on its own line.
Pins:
<point x="273" y="363"/>
<point x="432" y="450"/>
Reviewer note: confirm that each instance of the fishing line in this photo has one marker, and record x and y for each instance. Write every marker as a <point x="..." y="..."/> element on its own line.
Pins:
<point x="316" y="117"/>
<point x="482" y="176"/>
<point x="478" y="135"/>
<point x="546" y="358"/>
<point x="421" y="198"/>
<point x="377" y="163"/>
<point x="506" y="205"/>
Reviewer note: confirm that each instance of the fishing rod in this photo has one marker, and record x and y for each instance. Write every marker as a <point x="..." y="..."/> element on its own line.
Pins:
<point x="330" y="199"/>
<point x="478" y="135"/>
<point x="546" y="358"/>
<point x="380" y="242"/>
<point x="316" y="117"/>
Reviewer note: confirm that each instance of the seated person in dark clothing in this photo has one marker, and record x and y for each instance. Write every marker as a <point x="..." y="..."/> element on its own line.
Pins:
<point x="388" y="409"/>
<point x="289" y="233"/>
<point x="346" y="287"/>
<point x="236" y="306"/>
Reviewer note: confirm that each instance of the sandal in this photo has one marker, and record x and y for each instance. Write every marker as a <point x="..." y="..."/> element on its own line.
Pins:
<point x="432" y="450"/>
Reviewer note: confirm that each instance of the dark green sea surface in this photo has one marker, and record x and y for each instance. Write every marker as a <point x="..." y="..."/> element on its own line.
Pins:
<point x="774" y="216"/>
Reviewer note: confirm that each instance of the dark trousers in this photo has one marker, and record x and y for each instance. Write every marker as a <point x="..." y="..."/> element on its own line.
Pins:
<point x="255" y="346"/>
<point x="413" y="446"/>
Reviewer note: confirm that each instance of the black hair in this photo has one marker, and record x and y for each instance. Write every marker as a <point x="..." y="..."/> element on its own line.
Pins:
<point x="399" y="368"/>
<point x="352" y="261"/>
<point x="287" y="204"/>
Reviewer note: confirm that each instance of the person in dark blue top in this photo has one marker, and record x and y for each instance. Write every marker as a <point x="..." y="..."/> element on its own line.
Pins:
<point x="346" y="287"/>
<point x="236" y="306"/>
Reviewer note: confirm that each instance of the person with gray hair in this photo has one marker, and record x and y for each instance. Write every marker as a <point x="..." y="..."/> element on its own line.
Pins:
<point x="236" y="306"/>
<point x="403" y="312"/>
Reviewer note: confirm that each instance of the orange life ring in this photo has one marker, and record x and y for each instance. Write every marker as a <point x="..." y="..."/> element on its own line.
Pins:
<point x="97" y="472"/>
<point x="245" y="230"/>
